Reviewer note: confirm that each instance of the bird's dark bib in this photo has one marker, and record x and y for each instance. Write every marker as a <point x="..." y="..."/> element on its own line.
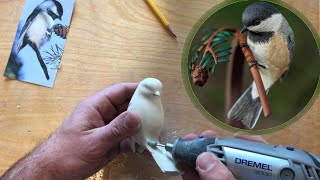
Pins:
<point x="260" y="37"/>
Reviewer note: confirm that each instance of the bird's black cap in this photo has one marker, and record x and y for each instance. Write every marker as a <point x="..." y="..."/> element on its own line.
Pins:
<point x="255" y="13"/>
<point x="59" y="8"/>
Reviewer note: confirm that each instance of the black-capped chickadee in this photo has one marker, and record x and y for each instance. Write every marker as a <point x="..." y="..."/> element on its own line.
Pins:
<point x="271" y="40"/>
<point x="37" y="29"/>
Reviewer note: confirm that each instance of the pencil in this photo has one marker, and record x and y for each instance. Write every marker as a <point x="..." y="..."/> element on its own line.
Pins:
<point x="161" y="17"/>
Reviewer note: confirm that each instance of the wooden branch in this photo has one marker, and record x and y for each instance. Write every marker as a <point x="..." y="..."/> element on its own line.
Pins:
<point x="254" y="71"/>
<point x="213" y="54"/>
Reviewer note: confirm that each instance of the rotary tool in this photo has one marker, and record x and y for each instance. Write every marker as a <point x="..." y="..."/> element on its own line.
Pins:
<point x="248" y="160"/>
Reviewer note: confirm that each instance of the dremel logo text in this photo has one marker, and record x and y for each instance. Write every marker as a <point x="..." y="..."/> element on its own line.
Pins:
<point x="253" y="164"/>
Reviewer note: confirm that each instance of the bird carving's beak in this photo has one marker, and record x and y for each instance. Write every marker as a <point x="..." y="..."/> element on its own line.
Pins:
<point x="244" y="29"/>
<point x="157" y="93"/>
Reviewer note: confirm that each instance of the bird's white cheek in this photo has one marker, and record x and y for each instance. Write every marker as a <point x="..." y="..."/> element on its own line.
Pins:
<point x="54" y="10"/>
<point x="272" y="24"/>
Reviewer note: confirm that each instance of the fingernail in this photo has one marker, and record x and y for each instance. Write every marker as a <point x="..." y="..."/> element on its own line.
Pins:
<point x="206" y="161"/>
<point x="132" y="121"/>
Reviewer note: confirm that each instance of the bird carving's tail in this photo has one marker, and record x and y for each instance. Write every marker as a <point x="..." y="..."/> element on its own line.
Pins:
<point x="246" y="109"/>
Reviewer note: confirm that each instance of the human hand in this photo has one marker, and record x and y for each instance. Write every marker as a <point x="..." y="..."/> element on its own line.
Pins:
<point x="88" y="139"/>
<point x="208" y="166"/>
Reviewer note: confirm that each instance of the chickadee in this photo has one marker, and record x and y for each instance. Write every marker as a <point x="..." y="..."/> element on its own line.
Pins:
<point x="38" y="28"/>
<point x="271" y="40"/>
<point x="146" y="101"/>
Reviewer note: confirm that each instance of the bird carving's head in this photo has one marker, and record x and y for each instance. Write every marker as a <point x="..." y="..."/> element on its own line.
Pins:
<point x="151" y="87"/>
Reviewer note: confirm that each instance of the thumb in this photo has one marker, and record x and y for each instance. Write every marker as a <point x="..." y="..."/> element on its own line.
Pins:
<point x="210" y="167"/>
<point x="125" y="125"/>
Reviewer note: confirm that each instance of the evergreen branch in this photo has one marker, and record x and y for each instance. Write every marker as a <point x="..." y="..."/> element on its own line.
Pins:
<point x="200" y="74"/>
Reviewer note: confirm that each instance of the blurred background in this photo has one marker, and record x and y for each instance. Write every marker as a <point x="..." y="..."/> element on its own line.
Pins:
<point x="286" y="98"/>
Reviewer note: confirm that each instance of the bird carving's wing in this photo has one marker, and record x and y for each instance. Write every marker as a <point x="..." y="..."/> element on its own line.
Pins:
<point x="26" y="26"/>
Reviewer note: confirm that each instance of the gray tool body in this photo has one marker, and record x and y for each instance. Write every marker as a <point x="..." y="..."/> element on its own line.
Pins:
<point x="248" y="160"/>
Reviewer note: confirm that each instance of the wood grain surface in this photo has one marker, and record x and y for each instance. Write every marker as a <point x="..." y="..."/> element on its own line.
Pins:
<point x="110" y="42"/>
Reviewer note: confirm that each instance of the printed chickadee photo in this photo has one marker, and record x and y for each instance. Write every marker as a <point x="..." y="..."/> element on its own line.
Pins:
<point x="279" y="45"/>
<point x="271" y="40"/>
<point x="39" y="43"/>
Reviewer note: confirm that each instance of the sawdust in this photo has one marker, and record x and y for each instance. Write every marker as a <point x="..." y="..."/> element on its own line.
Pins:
<point x="168" y="136"/>
<point x="97" y="176"/>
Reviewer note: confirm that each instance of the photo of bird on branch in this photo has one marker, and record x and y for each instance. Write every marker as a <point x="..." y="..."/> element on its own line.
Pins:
<point x="267" y="42"/>
<point x="39" y="29"/>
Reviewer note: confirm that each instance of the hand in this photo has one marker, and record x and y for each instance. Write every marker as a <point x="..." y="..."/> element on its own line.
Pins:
<point x="208" y="166"/>
<point x="89" y="138"/>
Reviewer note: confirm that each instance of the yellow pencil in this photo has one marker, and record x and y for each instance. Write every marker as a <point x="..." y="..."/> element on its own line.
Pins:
<point x="161" y="17"/>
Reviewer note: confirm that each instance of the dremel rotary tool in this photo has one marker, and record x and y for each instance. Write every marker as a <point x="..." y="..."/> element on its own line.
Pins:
<point x="249" y="160"/>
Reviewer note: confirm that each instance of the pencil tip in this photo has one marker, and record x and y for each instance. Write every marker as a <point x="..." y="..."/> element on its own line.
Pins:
<point x="171" y="31"/>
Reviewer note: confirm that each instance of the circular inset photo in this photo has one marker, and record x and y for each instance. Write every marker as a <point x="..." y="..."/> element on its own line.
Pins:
<point x="252" y="65"/>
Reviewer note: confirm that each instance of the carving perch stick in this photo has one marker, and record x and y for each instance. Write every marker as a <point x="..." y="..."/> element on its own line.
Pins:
<point x="254" y="71"/>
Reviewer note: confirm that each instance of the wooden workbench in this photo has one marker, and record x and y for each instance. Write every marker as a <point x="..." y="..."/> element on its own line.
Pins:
<point x="111" y="42"/>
